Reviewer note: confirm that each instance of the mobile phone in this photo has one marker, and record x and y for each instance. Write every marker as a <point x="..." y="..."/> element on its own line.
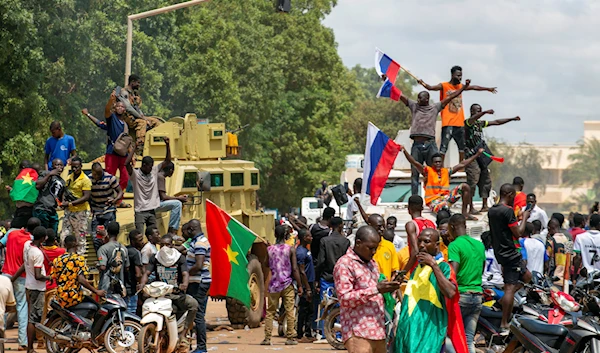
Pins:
<point x="529" y="206"/>
<point x="400" y="276"/>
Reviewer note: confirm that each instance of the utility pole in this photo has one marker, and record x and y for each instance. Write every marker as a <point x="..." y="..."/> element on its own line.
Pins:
<point x="146" y="14"/>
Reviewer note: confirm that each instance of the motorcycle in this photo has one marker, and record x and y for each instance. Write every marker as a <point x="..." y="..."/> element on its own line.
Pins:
<point x="160" y="328"/>
<point x="534" y="336"/>
<point x="91" y="325"/>
<point x="330" y="315"/>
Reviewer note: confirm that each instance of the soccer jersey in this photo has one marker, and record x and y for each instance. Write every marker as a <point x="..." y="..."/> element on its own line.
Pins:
<point x="588" y="246"/>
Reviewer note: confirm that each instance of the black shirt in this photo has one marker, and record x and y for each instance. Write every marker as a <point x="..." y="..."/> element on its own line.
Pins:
<point x="171" y="275"/>
<point x="318" y="232"/>
<point x="52" y="190"/>
<point x="332" y="248"/>
<point x="505" y="246"/>
<point x="135" y="260"/>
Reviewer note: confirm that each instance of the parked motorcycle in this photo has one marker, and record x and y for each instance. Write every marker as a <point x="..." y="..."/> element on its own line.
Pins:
<point x="330" y="314"/>
<point x="160" y="328"/>
<point x="91" y="325"/>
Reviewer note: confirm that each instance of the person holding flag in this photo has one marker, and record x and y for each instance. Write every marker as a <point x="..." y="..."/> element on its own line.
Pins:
<point x="453" y="114"/>
<point x="429" y="311"/>
<point x="422" y="128"/>
<point x="24" y="194"/>
<point x="478" y="174"/>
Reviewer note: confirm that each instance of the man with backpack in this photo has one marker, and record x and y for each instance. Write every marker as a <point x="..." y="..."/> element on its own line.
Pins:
<point x="113" y="260"/>
<point x="118" y="141"/>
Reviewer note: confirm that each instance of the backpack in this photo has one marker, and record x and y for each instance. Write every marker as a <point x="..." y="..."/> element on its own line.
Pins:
<point x="116" y="262"/>
<point x="123" y="142"/>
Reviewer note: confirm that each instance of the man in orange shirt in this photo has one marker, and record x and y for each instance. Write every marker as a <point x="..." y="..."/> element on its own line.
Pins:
<point x="453" y="116"/>
<point x="521" y="198"/>
<point x="438" y="195"/>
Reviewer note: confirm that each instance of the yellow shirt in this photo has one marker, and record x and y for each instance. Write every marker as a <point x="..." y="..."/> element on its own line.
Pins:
<point x="77" y="187"/>
<point x="443" y="249"/>
<point x="386" y="258"/>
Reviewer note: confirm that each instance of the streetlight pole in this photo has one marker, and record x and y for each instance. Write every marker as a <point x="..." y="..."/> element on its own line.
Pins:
<point x="146" y="14"/>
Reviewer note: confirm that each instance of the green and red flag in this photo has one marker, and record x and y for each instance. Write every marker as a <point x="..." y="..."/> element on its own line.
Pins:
<point x="23" y="188"/>
<point x="230" y="241"/>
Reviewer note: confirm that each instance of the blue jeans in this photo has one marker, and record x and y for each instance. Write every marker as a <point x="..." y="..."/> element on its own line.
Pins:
<point x="470" y="308"/>
<point x="132" y="301"/>
<point x="22" y="309"/>
<point x="324" y="286"/>
<point x="175" y="207"/>
<point x="200" y="292"/>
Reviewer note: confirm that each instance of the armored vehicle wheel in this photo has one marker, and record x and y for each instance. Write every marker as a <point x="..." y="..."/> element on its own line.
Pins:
<point x="238" y="314"/>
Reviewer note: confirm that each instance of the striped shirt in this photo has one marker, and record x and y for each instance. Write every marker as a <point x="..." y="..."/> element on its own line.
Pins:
<point x="199" y="246"/>
<point x="102" y="190"/>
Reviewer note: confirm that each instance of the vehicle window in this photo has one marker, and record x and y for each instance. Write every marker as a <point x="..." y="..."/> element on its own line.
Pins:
<point x="216" y="180"/>
<point x="237" y="179"/>
<point x="189" y="180"/>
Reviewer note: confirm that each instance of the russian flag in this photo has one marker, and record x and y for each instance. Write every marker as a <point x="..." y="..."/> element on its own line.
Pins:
<point x="380" y="154"/>
<point x="389" y="90"/>
<point x="386" y="66"/>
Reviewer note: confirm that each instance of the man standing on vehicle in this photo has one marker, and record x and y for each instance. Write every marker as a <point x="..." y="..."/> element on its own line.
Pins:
<point x="59" y="145"/>
<point x="51" y="187"/>
<point x="362" y="314"/>
<point x="198" y="262"/>
<point x="453" y="115"/>
<point x="169" y="203"/>
<point x="422" y="129"/>
<point x="169" y="266"/>
<point x="587" y="247"/>
<point x="77" y="212"/>
<point x="114" y="127"/>
<point x="106" y="192"/>
<point x="506" y="232"/>
<point x="467" y="258"/>
<point x="145" y="188"/>
<point x="438" y="195"/>
<point x="113" y="261"/>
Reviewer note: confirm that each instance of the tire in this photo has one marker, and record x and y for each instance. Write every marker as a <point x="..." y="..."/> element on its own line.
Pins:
<point x="147" y="332"/>
<point x="331" y="333"/>
<point x="238" y="314"/>
<point x="53" y="347"/>
<point x="114" y="344"/>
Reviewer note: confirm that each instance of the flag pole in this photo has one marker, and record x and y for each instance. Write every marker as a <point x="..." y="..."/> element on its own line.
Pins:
<point x="409" y="73"/>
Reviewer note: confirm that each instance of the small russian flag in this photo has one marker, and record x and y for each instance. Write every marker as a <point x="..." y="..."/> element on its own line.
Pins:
<point x="380" y="154"/>
<point x="389" y="90"/>
<point x="386" y="66"/>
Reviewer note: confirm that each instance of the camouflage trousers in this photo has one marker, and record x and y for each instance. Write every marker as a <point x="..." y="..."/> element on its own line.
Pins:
<point x="77" y="224"/>
<point x="140" y="126"/>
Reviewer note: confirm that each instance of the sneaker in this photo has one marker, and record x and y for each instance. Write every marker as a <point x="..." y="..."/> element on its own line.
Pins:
<point x="504" y="332"/>
<point x="265" y="342"/>
<point x="291" y="342"/>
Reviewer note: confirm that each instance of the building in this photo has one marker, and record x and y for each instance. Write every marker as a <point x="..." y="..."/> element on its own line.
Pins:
<point x="557" y="195"/>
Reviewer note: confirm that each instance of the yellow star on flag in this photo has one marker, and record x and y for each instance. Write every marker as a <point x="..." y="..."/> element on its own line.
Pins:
<point x="27" y="179"/>
<point x="420" y="288"/>
<point x="232" y="255"/>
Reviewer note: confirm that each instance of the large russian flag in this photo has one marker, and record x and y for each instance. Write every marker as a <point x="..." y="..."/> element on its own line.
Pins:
<point x="389" y="90"/>
<point x="386" y="66"/>
<point x="380" y="154"/>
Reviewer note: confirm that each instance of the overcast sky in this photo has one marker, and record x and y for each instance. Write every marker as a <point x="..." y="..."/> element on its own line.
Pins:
<point x="544" y="56"/>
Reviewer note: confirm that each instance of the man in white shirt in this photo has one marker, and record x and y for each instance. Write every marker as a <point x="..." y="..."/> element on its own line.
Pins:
<point x="7" y="303"/>
<point x="533" y="251"/>
<point x="492" y="272"/>
<point x="587" y="247"/>
<point x="536" y="212"/>
<point x="352" y="209"/>
<point x="150" y="248"/>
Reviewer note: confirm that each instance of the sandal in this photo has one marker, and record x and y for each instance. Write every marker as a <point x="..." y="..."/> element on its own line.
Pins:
<point x="124" y="205"/>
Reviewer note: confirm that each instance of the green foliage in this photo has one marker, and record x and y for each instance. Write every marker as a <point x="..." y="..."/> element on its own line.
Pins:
<point x="519" y="160"/>
<point x="584" y="171"/>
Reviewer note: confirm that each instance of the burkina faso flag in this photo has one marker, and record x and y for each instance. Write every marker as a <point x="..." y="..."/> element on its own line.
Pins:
<point x="229" y="241"/>
<point x="23" y="188"/>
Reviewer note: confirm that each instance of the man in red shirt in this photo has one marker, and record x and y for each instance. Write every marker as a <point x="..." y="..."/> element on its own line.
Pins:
<point x="15" y="243"/>
<point x="520" y="197"/>
<point x="578" y="225"/>
<point x="414" y="227"/>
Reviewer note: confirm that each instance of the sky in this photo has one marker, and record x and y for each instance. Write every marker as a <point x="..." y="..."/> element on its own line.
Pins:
<point x="543" y="56"/>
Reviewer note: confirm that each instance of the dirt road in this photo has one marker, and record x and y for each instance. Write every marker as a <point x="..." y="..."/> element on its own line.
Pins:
<point x="246" y="341"/>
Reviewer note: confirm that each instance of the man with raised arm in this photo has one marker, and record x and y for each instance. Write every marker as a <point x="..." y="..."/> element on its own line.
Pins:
<point x="146" y="198"/>
<point x="478" y="174"/>
<point x="422" y="128"/>
<point x="438" y="195"/>
<point x="453" y="115"/>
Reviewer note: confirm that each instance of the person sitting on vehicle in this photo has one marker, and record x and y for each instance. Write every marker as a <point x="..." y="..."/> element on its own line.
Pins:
<point x="169" y="203"/>
<point x="438" y="195"/>
<point x="169" y="266"/>
<point x="70" y="272"/>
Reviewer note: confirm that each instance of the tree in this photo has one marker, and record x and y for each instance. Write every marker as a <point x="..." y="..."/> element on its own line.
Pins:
<point x="522" y="160"/>
<point x="585" y="167"/>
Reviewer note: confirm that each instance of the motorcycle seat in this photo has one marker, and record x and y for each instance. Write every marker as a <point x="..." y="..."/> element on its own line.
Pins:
<point x="490" y="313"/>
<point x="536" y="326"/>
